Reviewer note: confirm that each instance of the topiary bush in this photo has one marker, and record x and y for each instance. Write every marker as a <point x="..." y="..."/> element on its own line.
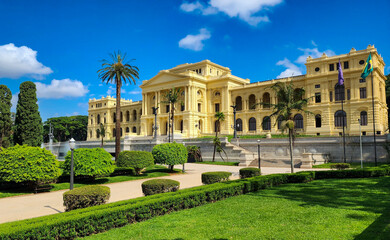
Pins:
<point x="340" y="166"/>
<point x="90" y="163"/>
<point x="155" y="186"/>
<point x="87" y="196"/>
<point x="170" y="154"/>
<point x="194" y="154"/>
<point x="135" y="159"/>
<point x="214" y="177"/>
<point x="122" y="171"/>
<point x="249" y="172"/>
<point x="28" y="165"/>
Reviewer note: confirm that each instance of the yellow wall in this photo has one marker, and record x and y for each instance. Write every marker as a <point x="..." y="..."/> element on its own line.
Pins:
<point x="207" y="84"/>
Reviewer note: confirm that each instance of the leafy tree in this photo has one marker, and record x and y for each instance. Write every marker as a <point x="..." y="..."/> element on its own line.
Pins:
<point x="172" y="97"/>
<point x="5" y="116"/>
<point x="289" y="100"/>
<point x="28" y="121"/>
<point x="116" y="71"/>
<point x="65" y="128"/>
<point x="170" y="154"/>
<point x="217" y="144"/>
<point x="102" y="132"/>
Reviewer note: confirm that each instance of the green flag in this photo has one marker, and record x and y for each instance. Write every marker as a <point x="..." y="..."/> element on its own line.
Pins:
<point x="367" y="68"/>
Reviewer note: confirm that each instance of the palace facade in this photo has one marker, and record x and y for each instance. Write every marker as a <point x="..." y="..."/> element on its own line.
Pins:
<point x="207" y="88"/>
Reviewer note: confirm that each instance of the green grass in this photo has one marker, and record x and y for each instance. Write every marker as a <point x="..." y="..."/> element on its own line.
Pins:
<point x="150" y="172"/>
<point x="353" y="165"/>
<point x="324" y="209"/>
<point x="219" y="163"/>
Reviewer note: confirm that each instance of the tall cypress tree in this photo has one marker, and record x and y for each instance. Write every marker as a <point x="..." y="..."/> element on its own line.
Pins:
<point x="5" y="115"/>
<point x="28" y="121"/>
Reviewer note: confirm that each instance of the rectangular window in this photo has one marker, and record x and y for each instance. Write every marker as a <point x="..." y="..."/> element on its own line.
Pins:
<point x="318" y="97"/>
<point x="330" y="96"/>
<point x="200" y="71"/>
<point x="182" y="107"/>
<point x="317" y="86"/>
<point x="363" y="93"/>
<point x="361" y="80"/>
<point x="348" y="94"/>
<point x="167" y="108"/>
<point x="217" y="107"/>
<point x="199" y="107"/>
<point x="337" y="66"/>
<point x="346" y="65"/>
<point x="331" y="67"/>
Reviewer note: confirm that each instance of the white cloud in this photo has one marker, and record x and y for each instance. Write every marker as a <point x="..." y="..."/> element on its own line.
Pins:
<point x="245" y="10"/>
<point x="313" y="52"/>
<point x="134" y="92"/>
<point x="16" y="62"/>
<point x="100" y="84"/>
<point x="194" y="42"/>
<point x="292" y="69"/>
<point x="110" y="90"/>
<point x="387" y="70"/>
<point x="314" y="43"/>
<point x="61" y="89"/>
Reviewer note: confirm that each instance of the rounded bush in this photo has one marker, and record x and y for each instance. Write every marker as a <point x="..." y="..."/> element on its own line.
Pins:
<point x="340" y="166"/>
<point x="32" y="165"/>
<point x="135" y="159"/>
<point x="93" y="162"/>
<point x="214" y="177"/>
<point x="87" y="196"/>
<point x="249" y="172"/>
<point x="155" y="186"/>
<point x="123" y="171"/>
<point x="170" y="154"/>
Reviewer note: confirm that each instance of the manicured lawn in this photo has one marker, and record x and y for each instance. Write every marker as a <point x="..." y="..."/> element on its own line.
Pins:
<point x="353" y="165"/>
<point x="322" y="209"/>
<point x="151" y="172"/>
<point x="219" y="163"/>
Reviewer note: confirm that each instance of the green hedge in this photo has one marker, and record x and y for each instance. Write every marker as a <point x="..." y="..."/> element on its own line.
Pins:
<point x="155" y="186"/>
<point x="135" y="159"/>
<point x="340" y="166"/>
<point x="214" y="177"/>
<point x="87" y="196"/>
<point x="170" y="154"/>
<point x="249" y="172"/>
<point x="83" y="222"/>
<point x="123" y="171"/>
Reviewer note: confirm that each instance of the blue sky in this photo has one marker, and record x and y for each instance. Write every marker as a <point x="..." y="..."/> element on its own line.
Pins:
<point x="59" y="44"/>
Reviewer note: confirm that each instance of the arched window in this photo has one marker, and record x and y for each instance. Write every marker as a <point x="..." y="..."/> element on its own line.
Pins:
<point x="134" y="115"/>
<point x="121" y="132"/>
<point x="181" y="126"/>
<point x="97" y="134"/>
<point x="127" y="116"/>
<point x="318" y="121"/>
<point x="280" y="121"/>
<point x="114" y="117"/>
<point x="363" y="118"/>
<point x="339" y="116"/>
<point x="298" y="121"/>
<point x="239" y="125"/>
<point x="113" y="132"/>
<point x="266" y="100"/>
<point x="252" y="124"/>
<point x="238" y="103"/>
<point x="339" y="92"/>
<point x="121" y="117"/>
<point x="105" y="120"/>
<point x="134" y="130"/>
<point x="127" y="129"/>
<point x="217" y="126"/>
<point x="98" y="119"/>
<point x="252" y="101"/>
<point x="266" y="123"/>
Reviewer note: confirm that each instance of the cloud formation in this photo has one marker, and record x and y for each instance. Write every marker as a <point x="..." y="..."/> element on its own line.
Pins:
<point x="194" y="42"/>
<point x="292" y="69"/>
<point x="65" y="88"/>
<point x="16" y="62"/>
<point x="246" y="10"/>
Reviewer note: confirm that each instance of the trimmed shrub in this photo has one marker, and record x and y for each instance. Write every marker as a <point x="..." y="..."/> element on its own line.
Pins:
<point x="214" y="177"/>
<point x="123" y="171"/>
<point x="155" y="186"/>
<point x="170" y="154"/>
<point x="340" y="166"/>
<point x="90" y="163"/>
<point x="135" y="159"/>
<point x="194" y="154"/>
<point x="28" y="165"/>
<point x="249" y="172"/>
<point x="87" y="196"/>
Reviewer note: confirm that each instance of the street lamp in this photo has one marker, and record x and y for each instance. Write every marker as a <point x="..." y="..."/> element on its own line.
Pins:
<point x="155" y="121"/>
<point x="72" y="145"/>
<point x="258" y="152"/>
<point x="234" y="123"/>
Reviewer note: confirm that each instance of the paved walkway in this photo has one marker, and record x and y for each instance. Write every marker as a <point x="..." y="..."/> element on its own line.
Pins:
<point x="35" y="205"/>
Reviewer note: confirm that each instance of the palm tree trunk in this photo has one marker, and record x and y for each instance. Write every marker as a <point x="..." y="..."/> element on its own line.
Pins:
<point x="118" y="119"/>
<point x="173" y="119"/>
<point x="215" y="144"/>
<point x="290" y="135"/>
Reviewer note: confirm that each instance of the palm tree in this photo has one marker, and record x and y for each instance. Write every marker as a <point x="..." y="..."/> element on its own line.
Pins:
<point x="289" y="100"/>
<point x="220" y="118"/>
<point x="116" y="71"/>
<point x="102" y="132"/>
<point x="172" y="97"/>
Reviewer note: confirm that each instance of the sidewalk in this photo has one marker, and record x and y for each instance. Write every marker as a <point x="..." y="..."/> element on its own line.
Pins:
<point x="35" y="205"/>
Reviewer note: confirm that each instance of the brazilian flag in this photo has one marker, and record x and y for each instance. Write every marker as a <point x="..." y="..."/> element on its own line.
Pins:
<point x="367" y="68"/>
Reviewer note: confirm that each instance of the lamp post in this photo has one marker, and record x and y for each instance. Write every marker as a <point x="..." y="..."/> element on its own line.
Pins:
<point x="155" y="121"/>
<point x="72" y="145"/>
<point x="234" y="123"/>
<point x="258" y="152"/>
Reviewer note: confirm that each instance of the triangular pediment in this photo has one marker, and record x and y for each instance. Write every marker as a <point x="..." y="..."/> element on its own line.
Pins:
<point x="163" y="77"/>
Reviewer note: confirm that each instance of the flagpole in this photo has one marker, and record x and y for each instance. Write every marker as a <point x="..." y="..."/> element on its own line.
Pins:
<point x="342" y="109"/>
<point x="373" y="115"/>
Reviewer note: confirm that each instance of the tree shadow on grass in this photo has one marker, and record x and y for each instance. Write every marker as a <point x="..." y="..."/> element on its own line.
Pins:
<point x="379" y="229"/>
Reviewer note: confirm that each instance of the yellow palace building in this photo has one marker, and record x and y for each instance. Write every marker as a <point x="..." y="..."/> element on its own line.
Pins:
<point x="207" y="88"/>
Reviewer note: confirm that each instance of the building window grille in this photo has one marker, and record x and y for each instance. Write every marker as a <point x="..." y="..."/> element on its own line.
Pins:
<point x="339" y="92"/>
<point x="252" y="124"/>
<point x="339" y="116"/>
<point x="363" y="118"/>
<point x="238" y="103"/>
<point x="267" y="123"/>
<point x="217" y="107"/>
<point x="318" y="97"/>
<point x="363" y="93"/>
<point x="134" y="130"/>
<point x="346" y="65"/>
<point x="331" y="67"/>
<point x="318" y="121"/>
<point x="239" y="125"/>
<point x="298" y="121"/>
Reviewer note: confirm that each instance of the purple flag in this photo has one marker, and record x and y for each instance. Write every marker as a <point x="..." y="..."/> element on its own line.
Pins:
<point x="341" y="77"/>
